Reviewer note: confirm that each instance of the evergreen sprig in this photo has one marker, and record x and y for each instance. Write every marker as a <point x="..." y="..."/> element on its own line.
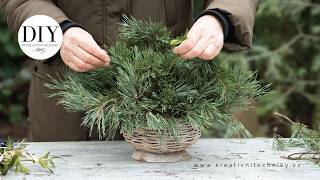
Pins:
<point x="148" y="86"/>
<point x="301" y="136"/>
<point x="13" y="154"/>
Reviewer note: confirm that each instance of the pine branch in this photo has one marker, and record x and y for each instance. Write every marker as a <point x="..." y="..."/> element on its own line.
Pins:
<point x="148" y="86"/>
<point x="301" y="136"/>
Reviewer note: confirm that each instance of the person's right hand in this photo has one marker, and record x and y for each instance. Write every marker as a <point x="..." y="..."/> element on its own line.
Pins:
<point x="80" y="52"/>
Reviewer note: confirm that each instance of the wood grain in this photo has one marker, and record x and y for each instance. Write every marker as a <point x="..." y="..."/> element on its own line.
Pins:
<point x="244" y="160"/>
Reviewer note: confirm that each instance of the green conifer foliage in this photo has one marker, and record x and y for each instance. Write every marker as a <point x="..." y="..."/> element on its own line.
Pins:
<point x="148" y="86"/>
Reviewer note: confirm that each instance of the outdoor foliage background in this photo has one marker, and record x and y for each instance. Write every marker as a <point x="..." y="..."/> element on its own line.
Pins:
<point x="286" y="53"/>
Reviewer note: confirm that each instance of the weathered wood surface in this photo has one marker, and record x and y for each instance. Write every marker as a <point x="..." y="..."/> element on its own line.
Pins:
<point x="112" y="160"/>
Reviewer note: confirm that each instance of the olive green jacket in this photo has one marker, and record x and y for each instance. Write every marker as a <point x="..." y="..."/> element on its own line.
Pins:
<point x="100" y="17"/>
<point x="49" y="121"/>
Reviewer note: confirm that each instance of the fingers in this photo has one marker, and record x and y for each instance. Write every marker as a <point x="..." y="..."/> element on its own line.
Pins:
<point x="79" y="65"/>
<point x="89" y="58"/>
<point x="76" y="64"/>
<point x="197" y="50"/>
<point x="93" y="48"/>
<point x="210" y="52"/>
<point x="80" y="52"/>
<point x="72" y="66"/>
<point x="205" y="49"/>
<point x="187" y="44"/>
<point x="79" y="60"/>
<point x="204" y="40"/>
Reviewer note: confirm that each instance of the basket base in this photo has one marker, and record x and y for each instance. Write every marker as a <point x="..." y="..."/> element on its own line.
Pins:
<point x="157" y="157"/>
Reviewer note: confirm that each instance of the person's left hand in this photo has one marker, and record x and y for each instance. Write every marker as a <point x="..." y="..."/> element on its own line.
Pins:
<point x="204" y="40"/>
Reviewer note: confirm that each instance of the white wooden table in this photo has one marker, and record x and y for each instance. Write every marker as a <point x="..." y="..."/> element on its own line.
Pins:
<point x="112" y="160"/>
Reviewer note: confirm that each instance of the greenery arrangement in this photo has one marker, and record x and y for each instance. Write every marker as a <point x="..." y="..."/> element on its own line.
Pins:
<point x="148" y="86"/>
<point x="301" y="136"/>
<point x="13" y="154"/>
<point x="286" y="53"/>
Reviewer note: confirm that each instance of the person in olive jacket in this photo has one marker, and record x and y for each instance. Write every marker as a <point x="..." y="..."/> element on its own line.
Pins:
<point x="89" y="24"/>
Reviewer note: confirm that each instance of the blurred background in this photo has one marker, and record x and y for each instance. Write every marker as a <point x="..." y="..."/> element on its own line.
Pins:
<point x="286" y="53"/>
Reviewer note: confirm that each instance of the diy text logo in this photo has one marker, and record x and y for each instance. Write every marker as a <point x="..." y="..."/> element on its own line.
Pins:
<point x="40" y="37"/>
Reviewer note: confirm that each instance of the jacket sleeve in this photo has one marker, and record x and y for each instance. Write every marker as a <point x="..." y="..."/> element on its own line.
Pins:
<point x="17" y="11"/>
<point x="241" y="14"/>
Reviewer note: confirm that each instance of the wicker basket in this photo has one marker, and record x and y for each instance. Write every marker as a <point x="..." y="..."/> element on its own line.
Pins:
<point x="151" y="148"/>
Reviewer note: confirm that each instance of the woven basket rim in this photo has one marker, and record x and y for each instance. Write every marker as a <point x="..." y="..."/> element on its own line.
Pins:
<point x="149" y="140"/>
